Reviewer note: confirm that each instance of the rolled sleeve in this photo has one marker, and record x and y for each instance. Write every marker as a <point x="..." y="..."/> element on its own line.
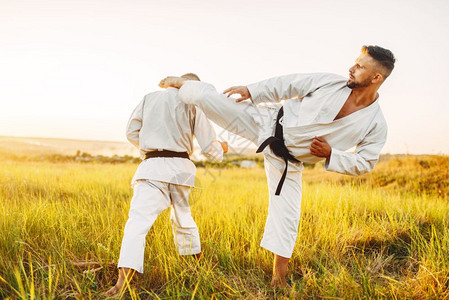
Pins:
<point x="365" y="156"/>
<point x="214" y="151"/>
<point x="348" y="163"/>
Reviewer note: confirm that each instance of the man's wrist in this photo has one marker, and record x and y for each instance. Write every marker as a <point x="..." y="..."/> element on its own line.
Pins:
<point x="328" y="157"/>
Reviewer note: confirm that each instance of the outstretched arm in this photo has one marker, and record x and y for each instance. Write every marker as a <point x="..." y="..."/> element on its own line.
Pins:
<point x="288" y="86"/>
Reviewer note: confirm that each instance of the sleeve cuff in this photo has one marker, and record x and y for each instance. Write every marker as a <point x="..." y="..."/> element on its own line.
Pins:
<point x="214" y="152"/>
<point x="332" y="163"/>
<point x="252" y="88"/>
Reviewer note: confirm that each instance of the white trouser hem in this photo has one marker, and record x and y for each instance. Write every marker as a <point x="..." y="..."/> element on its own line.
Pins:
<point x="139" y="269"/>
<point x="276" y="250"/>
<point x="192" y="251"/>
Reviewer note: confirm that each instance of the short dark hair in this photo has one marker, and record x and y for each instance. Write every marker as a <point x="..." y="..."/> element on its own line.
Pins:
<point x="383" y="56"/>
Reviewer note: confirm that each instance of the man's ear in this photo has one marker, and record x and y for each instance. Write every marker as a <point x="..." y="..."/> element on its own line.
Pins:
<point x="378" y="78"/>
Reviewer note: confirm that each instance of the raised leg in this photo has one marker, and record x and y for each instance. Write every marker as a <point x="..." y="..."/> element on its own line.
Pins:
<point x="243" y="119"/>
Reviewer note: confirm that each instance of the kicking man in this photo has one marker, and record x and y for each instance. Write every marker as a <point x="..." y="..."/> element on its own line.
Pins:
<point x="325" y="115"/>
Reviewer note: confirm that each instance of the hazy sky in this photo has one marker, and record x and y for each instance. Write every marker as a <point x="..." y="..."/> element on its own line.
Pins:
<point x="76" y="69"/>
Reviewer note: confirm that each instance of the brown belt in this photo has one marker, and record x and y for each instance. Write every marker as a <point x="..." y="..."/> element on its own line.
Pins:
<point x="166" y="153"/>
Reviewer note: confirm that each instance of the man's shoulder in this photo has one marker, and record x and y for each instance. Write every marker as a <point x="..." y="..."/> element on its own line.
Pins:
<point x="325" y="81"/>
<point x="330" y="77"/>
<point x="157" y="93"/>
<point x="166" y="93"/>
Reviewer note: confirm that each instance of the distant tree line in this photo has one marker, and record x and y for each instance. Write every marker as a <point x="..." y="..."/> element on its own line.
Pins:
<point x="229" y="160"/>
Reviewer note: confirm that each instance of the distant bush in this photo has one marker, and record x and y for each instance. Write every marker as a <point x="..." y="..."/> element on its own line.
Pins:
<point x="416" y="174"/>
<point x="229" y="161"/>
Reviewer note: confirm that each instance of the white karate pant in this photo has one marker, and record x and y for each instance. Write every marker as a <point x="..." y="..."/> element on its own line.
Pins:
<point x="284" y="210"/>
<point x="149" y="200"/>
<point x="256" y="124"/>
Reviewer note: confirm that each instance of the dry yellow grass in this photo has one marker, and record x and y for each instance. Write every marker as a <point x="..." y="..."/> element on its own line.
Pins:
<point x="380" y="236"/>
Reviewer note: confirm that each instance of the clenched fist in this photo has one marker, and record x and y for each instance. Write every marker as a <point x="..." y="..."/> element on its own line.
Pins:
<point x="320" y="148"/>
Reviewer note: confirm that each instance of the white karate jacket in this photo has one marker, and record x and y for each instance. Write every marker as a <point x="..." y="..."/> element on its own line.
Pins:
<point x="162" y="122"/>
<point x="315" y="100"/>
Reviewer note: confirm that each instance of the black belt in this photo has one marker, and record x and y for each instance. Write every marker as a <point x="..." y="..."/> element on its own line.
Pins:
<point x="166" y="153"/>
<point x="278" y="147"/>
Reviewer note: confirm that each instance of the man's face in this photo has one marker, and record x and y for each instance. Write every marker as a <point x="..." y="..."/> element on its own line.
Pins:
<point x="362" y="73"/>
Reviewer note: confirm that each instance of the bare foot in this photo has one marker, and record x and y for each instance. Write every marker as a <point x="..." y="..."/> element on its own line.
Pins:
<point x="124" y="278"/>
<point x="280" y="265"/>
<point x="278" y="283"/>
<point x="281" y="286"/>
<point x="172" y="81"/>
<point x="114" y="291"/>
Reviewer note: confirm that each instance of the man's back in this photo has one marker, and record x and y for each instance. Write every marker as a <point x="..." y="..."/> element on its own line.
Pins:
<point x="162" y="122"/>
<point x="167" y="123"/>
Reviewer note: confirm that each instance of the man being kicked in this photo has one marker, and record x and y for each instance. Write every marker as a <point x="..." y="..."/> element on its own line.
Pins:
<point x="163" y="127"/>
<point x="325" y="116"/>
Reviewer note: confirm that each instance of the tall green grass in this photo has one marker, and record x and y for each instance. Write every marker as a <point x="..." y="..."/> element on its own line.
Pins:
<point x="357" y="239"/>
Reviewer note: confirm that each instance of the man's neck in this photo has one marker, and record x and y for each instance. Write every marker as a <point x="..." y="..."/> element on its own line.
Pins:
<point x="364" y="96"/>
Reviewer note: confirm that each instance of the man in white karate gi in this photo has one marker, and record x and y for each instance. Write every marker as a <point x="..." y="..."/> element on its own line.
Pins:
<point x="324" y="116"/>
<point x="163" y="128"/>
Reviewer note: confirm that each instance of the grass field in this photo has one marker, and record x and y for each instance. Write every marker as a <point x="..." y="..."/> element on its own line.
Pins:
<point x="382" y="235"/>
